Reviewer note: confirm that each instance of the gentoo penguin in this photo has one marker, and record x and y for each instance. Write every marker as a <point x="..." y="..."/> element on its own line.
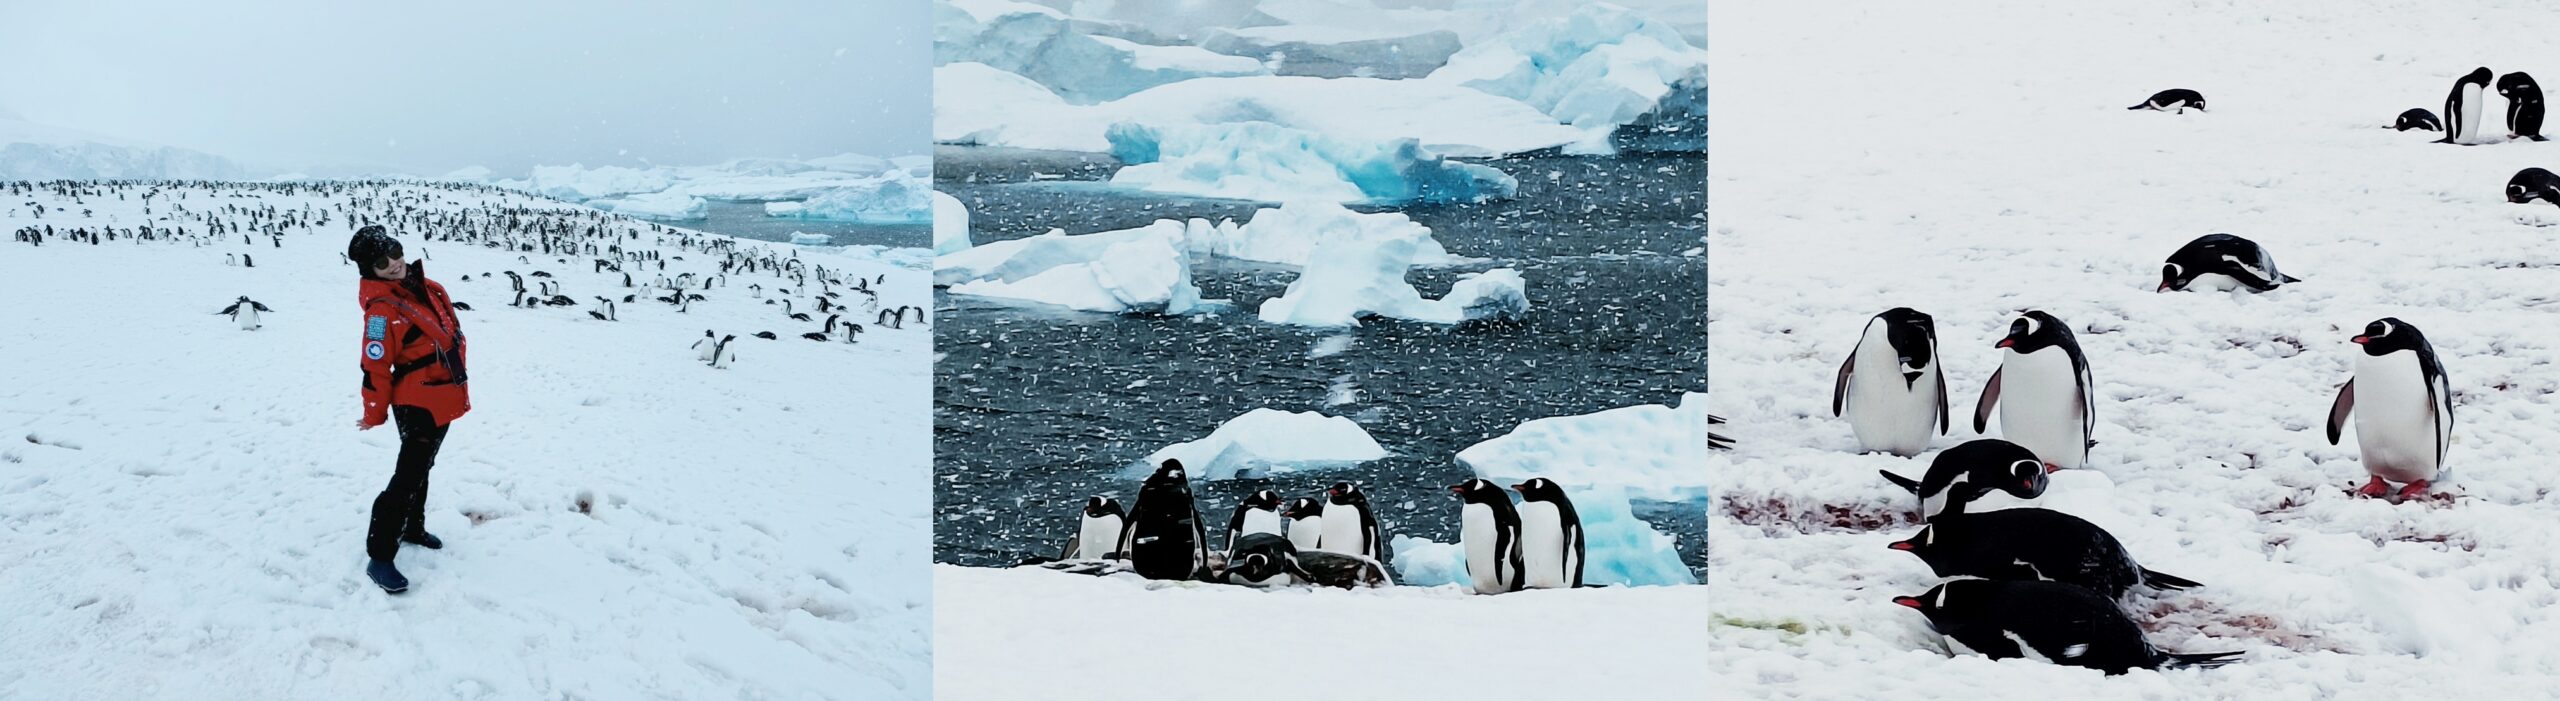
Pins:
<point x="1890" y="386"/>
<point x="2403" y="407"/>
<point x="245" y="311"/>
<point x="1489" y="532"/>
<point x="2047" y="400"/>
<point x="1258" y="513"/>
<point x="1964" y="473"/>
<point x="2174" y="98"/>
<point x="1098" y="532"/>
<point x="2524" y="106"/>
<point x="2463" y="108"/>
<point x="709" y="346"/>
<point x="1305" y="516"/>
<point x="2533" y="184"/>
<point x="1264" y="560"/>
<point x="1349" y="526"/>
<point x="1345" y="570"/>
<point x="721" y="354"/>
<point x="1550" y="537"/>
<point x="1164" y="538"/>
<point x="2032" y="544"/>
<point x="2052" y="621"/>
<point x="2417" y="118"/>
<point x="2221" y="262"/>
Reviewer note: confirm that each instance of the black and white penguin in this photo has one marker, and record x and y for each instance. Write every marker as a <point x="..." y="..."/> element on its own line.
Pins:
<point x="1349" y="526"/>
<point x="2047" y="400"/>
<point x="1489" y="532"/>
<point x="2464" y="107"/>
<point x="1165" y="539"/>
<point x="1344" y="570"/>
<point x="1305" y="517"/>
<point x="1550" y="537"/>
<point x="1097" y="531"/>
<point x="2032" y="544"/>
<point x="2403" y="407"/>
<point x="245" y="311"/>
<point x="708" y="346"/>
<point x="2533" y="184"/>
<point x="1964" y="473"/>
<point x="1258" y="513"/>
<point x="1890" y="386"/>
<point x="2221" y="262"/>
<point x="2051" y="621"/>
<point x="2179" y="99"/>
<point x="721" y="354"/>
<point x="2417" y="118"/>
<point x="1264" y="560"/>
<point x="2524" y="106"/>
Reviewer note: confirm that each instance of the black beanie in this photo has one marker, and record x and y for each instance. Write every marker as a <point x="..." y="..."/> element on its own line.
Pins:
<point x="371" y="246"/>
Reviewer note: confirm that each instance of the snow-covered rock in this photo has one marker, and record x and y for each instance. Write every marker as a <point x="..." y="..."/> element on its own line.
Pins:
<point x="1444" y="117"/>
<point x="1357" y="271"/>
<point x="1265" y="442"/>
<point x="1654" y="450"/>
<point x="1048" y="47"/>
<point x="950" y="224"/>
<point x="895" y="196"/>
<point x="577" y="183"/>
<point x="1600" y="67"/>
<point x="661" y="206"/>
<point x="1269" y="162"/>
<point x="1375" y="51"/>
<point x="30" y="151"/>
<point x="1144" y="270"/>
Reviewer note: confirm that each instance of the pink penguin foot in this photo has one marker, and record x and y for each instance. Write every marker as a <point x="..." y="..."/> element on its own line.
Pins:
<point x="2415" y="490"/>
<point x="2376" y="488"/>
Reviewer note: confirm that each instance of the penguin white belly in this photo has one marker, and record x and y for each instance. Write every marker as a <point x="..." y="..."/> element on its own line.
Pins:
<point x="1306" y="533"/>
<point x="2040" y="406"/>
<point x="1888" y="414"/>
<point x="2217" y="282"/>
<point x="1542" y="547"/>
<point x="248" y="318"/>
<point x="1342" y="530"/>
<point x="2472" y="102"/>
<point x="1097" y="538"/>
<point x="1260" y="521"/>
<point x="710" y="349"/>
<point x="2395" y="422"/>
<point x="1481" y="537"/>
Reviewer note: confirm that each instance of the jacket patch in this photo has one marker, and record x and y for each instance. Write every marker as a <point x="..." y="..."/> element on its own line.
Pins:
<point x="374" y="327"/>
<point x="373" y="350"/>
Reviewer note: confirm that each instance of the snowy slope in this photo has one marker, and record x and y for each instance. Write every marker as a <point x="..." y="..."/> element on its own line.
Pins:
<point x="182" y="503"/>
<point x="1093" y="638"/>
<point x="1975" y="159"/>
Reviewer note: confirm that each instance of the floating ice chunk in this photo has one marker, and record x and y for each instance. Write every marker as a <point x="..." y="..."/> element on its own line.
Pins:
<point x="950" y="224"/>
<point x="1356" y="271"/>
<point x="1015" y="259"/>
<point x="1288" y="234"/>
<point x="1140" y="271"/>
<point x="1493" y="294"/>
<point x="1073" y="58"/>
<point x="1269" y="162"/>
<point x="1600" y="67"/>
<point x="1426" y="563"/>
<point x="808" y="239"/>
<point x="1446" y="118"/>
<point x="577" y="183"/>
<point x="1264" y="442"/>
<point x="1652" y="449"/>
<point x="895" y="196"/>
<point x="1619" y="548"/>
<point x="662" y="206"/>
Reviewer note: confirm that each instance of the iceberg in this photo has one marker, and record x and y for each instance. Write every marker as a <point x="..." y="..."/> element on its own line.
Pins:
<point x="1618" y="548"/>
<point x="1288" y="234"/>
<point x="850" y="163"/>
<point x="661" y="206"/>
<point x="973" y="103"/>
<point x="1376" y="51"/>
<point x="950" y="224"/>
<point x="1265" y="442"/>
<point x="576" y="183"/>
<point x="808" y="239"/>
<point x="1422" y="562"/>
<point x="1445" y="118"/>
<point x="1602" y="66"/>
<point x="1145" y="270"/>
<point x="1074" y="58"/>
<point x="1653" y="450"/>
<point x="895" y="196"/>
<point x="1677" y="124"/>
<point x="1269" y="162"/>
<point x="1357" y="272"/>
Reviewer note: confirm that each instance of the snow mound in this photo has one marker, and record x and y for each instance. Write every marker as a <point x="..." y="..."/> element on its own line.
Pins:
<point x="1600" y="67"/>
<point x="661" y="206"/>
<point x="895" y="196"/>
<point x="950" y="224"/>
<point x="1265" y="442"/>
<point x="1383" y="51"/>
<point x="577" y="183"/>
<point x="1445" y="118"/>
<point x="1269" y="162"/>
<point x="1653" y="450"/>
<point x="1145" y="270"/>
<point x="1067" y="56"/>
<point x="1357" y="271"/>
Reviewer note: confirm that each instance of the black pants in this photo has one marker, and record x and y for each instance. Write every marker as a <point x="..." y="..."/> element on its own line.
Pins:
<point x="402" y="506"/>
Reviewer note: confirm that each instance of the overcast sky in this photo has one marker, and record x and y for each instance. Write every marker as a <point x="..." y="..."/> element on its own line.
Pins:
<point x="430" y="87"/>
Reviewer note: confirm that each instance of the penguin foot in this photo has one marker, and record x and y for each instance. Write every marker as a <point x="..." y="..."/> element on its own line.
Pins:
<point x="2415" y="490"/>
<point x="2376" y="489"/>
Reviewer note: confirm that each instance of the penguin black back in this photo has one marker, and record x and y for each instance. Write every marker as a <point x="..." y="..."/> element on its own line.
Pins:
<point x="2065" y="624"/>
<point x="2417" y="118"/>
<point x="2533" y="184"/>
<point x="1964" y="473"/>
<point x="2031" y="544"/>
<point x="1164" y="538"/>
<point x="2180" y="99"/>
<point x="2240" y="259"/>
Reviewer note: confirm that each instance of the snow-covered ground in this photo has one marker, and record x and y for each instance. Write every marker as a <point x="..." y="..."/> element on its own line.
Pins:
<point x="1973" y="160"/>
<point x="183" y="503"/>
<point x="1033" y="633"/>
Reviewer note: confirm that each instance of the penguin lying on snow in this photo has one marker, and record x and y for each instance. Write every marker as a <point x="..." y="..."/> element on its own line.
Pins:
<point x="1264" y="560"/>
<point x="245" y="311"/>
<point x="2222" y="262"/>
<point x="1890" y="386"/>
<point x="2533" y="184"/>
<point x="2032" y="544"/>
<point x="2056" y="622"/>
<point x="2179" y="99"/>
<point x="2403" y="408"/>
<point x="1967" y="472"/>
<point x="2047" y="400"/>
<point x="2417" y="118"/>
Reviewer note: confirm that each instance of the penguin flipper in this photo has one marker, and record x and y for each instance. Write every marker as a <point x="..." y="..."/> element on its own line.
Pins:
<point x="2199" y="660"/>
<point x="1900" y="481"/>
<point x="227" y="311"/>
<point x="2291" y="279"/>
<point x="1840" y="385"/>
<point x="2160" y="580"/>
<point x="260" y="307"/>
<point x="2338" y="409"/>
<point x="1990" y="397"/>
<point x="1942" y="397"/>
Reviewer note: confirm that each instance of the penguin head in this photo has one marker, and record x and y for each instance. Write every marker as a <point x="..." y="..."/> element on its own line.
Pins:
<point x="2034" y="331"/>
<point x="1099" y="506"/>
<point x="1265" y="500"/>
<point x="1169" y="473"/>
<point x="1479" y="491"/>
<point x="1303" y="507"/>
<point x="2174" y="277"/>
<point x="1914" y="336"/>
<point x="1919" y="543"/>
<point x="1956" y="600"/>
<point x="2389" y="335"/>
<point x="1967" y="472"/>
<point x="1539" y="489"/>
<point x="2479" y="75"/>
<point x="1345" y="493"/>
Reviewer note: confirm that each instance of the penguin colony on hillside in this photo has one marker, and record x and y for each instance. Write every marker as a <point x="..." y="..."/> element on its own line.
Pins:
<point x="1330" y="540"/>
<point x="218" y="213"/>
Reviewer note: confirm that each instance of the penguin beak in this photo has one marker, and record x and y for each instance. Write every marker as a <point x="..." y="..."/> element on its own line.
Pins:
<point x="2164" y="287"/>
<point x="1913" y="602"/>
<point x="2360" y="340"/>
<point x="2005" y="342"/>
<point x="2050" y="468"/>
<point x="1457" y="489"/>
<point x="1902" y="545"/>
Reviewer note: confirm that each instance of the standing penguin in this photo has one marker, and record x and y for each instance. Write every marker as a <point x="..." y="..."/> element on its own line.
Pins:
<point x="2046" y="397"/>
<point x="2524" y="106"/>
<point x="1550" y="537"/>
<point x="1164" y="538"/>
<point x="245" y="311"/>
<point x="2056" y="622"/>
<point x="1967" y="472"/>
<point x="2464" y="106"/>
<point x="721" y="354"/>
<point x="1258" y="513"/>
<point x="709" y="346"/>
<point x="2221" y="262"/>
<point x="1098" y="531"/>
<point x="1349" y="526"/>
<point x="1890" y="385"/>
<point x="1489" y="532"/>
<point x="1305" y="517"/>
<point x="2403" y="407"/>
<point x="2174" y="98"/>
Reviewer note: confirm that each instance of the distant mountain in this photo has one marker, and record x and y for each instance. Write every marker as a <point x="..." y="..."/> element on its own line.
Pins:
<point x="30" y="151"/>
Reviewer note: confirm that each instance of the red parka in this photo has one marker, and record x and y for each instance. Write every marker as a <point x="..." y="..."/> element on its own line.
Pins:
<point x="413" y="349"/>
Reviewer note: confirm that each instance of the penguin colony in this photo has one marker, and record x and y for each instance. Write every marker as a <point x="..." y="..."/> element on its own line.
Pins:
<point x="1333" y="539"/>
<point x="628" y="262"/>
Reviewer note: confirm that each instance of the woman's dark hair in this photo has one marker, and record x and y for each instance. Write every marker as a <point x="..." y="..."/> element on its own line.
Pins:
<point x="371" y="248"/>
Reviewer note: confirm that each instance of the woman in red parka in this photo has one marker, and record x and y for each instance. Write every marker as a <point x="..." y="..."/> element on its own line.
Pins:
<point x="413" y="374"/>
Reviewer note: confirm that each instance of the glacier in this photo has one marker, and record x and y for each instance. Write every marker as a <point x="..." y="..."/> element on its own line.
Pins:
<point x="1445" y="118"/>
<point x="1377" y="51"/>
<point x="1078" y="59"/>
<point x="1269" y="162"/>
<point x="1601" y="66"/>
<point x="895" y="196"/>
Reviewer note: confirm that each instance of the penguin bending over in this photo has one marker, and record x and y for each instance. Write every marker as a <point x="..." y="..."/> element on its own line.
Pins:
<point x="2056" y="622"/>
<point x="2463" y="108"/>
<point x="2222" y="262"/>
<point x="1967" y="472"/>
<point x="2032" y="544"/>
<point x="2174" y="98"/>
<point x="2403" y="408"/>
<point x="1890" y="386"/>
<point x="2417" y="118"/>
<point x="2047" y="401"/>
<point x="2533" y="184"/>
<point x="2524" y="106"/>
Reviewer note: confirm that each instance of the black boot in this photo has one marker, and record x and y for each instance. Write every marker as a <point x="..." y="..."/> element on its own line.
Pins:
<point x="381" y="542"/>
<point x="414" y="528"/>
<point x="386" y="576"/>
